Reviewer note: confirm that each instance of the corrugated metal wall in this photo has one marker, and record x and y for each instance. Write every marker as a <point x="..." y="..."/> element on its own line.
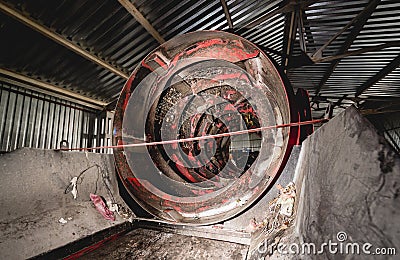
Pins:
<point x="392" y="131"/>
<point x="32" y="119"/>
<point x="389" y="126"/>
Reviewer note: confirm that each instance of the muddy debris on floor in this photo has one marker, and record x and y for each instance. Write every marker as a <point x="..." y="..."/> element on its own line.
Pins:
<point x="151" y="244"/>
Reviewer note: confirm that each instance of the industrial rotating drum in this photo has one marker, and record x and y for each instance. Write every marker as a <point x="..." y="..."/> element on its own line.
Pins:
<point x="213" y="85"/>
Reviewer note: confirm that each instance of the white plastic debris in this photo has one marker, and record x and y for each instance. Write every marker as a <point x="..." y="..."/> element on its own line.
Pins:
<point x="112" y="206"/>
<point x="74" y="191"/>
<point x="286" y="199"/>
<point x="62" y="221"/>
<point x="286" y="206"/>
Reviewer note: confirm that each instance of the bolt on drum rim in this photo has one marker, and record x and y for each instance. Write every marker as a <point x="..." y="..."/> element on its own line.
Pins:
<point x="197" y="84"/>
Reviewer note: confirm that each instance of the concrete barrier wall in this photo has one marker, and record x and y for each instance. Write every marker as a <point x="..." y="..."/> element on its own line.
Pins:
<point x="33" y="199"/>
<point x="349" y="181"/>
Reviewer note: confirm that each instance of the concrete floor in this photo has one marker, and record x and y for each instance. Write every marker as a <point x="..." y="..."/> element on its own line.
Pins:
<point x="150" y="244"/>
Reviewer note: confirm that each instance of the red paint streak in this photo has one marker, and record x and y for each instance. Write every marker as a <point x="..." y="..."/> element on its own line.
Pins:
<point x="229" y="107"/>
<point x="219" y="125"/>
<point x="147" y="66"/>
<point x="154" y="57"/>
<point x="224" y="53"/>
<point x="182" y="169"/>
<point x="205" y="44"/>
<point x="161" y="62"/>
<point x="191" y="157"/>
<point x="134" y="181"/>
<point x="248" y="110"/>
<point x="202" y="192"/>
<point x="193" y="124"/>
<point x="93" y="247"/>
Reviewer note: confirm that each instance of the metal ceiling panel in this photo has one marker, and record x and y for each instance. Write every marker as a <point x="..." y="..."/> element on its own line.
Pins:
<point x="108" y="31"/>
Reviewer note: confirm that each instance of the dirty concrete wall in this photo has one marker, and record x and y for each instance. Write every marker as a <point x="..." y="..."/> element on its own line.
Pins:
<point x="33" y="199"/>
<point x="349" y="181"/>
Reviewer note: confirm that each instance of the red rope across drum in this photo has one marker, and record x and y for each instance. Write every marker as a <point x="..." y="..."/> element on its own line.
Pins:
<point x="198" y="138"/>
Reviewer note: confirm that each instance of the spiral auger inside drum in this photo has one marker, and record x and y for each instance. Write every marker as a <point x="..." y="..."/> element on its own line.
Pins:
<point x="200" y="84"/>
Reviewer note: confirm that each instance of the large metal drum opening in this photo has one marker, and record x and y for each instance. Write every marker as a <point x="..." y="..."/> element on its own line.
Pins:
<point x="201" y="84"/>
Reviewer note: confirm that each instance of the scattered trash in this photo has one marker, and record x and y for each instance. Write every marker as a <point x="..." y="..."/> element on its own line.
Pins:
<point x="287" y="207"/>
<point x="62" y="221"/>
<point x="286" y="199"/>
<point x="280" y="211"/>
<point x="253" y="226"/>
<point x="72" y="186"/>
<point x="112" y="206"/>
<point x="125" y="213"/>
<point x="106" y="209"/>
<point x="101" y="207"/>
<point x="74" y="191"/>
<point x="121" y="210"/>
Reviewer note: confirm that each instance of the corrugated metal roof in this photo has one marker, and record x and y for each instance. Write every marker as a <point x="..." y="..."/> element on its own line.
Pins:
<point x="325" y="19"/>
<point x="353" y="71"/>
<point x="268" y="34"/>
<point x="108" y="31"/>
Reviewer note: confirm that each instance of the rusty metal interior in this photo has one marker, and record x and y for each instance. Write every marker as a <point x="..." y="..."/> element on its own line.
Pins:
<point x="112" y="73"/>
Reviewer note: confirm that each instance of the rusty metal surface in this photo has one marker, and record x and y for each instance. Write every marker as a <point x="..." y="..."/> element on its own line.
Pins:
<point x="200" y="84"/>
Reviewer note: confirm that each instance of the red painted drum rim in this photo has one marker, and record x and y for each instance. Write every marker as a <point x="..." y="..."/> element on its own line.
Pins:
<point x="198" y="62"/>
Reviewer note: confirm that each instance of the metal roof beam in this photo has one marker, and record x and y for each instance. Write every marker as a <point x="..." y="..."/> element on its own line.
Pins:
<point x="301" y="31"/>
<point x="302" y="60"/>
<point x="286" y="7"/>
<point x="380" y="75"/>
<point x="357" y="52"/>
<point x="307" y="28"/>
<point x="141" y="19"/>
<point x="59" y="39"/>
<point x="288" y="38"/>
<point x="358" y="23"/>
<point x="360" y="19"/>
<point x="227" y="14"/>
<point x="50" y="89"/>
